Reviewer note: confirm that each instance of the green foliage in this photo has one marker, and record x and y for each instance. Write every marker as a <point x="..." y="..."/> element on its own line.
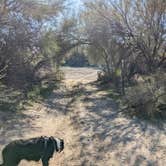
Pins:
<point x="34" y="93"/>
<point x="49" y="45"/>
<point x="118" y="72"/>
<point x="38" y="93"/>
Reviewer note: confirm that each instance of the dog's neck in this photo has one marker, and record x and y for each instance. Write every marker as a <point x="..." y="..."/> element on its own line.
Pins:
<point x="58" y="144"/>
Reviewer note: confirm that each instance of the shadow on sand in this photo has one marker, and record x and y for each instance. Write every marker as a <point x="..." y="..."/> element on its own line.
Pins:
<point x="14" y="126"/>
<point x="105" y="130"/>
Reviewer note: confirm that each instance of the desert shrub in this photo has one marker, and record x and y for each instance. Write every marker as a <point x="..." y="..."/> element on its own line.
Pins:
<point x="19" y="76"/>
<point x="9" y="98"/>
<point x="47" y="84"/>
<point x="147" y="99"/>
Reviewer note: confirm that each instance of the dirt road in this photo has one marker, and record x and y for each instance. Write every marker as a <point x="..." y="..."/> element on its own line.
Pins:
<point x="95" y="133"/>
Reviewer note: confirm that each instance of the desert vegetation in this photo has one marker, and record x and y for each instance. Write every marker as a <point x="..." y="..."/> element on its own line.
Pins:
<point x="128" y="40"/>
<point x="32" y="46"/>
<point x="90" y="71"/>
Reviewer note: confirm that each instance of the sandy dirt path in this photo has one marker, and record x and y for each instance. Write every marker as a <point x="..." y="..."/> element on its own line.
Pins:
<point x="95" y="133"/>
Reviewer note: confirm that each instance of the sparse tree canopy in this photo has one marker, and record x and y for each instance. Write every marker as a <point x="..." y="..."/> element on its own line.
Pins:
<point x="127" y="36"/>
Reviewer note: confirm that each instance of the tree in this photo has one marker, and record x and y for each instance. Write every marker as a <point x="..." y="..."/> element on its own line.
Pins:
<point x="22" y="25"/>
<point x="142" y="25"/>
<point x="127" y="36"/>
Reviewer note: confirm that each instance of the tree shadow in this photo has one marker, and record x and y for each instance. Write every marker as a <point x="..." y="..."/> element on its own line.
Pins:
<point x="57" y="101"/>
<point x="110" y="131"/>
<point x="61" y="99"/>
<point x="14" y="126"/>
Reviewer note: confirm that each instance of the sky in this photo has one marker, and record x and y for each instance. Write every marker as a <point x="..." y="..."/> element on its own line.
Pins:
<point x="76" y="2"/>
<point x="76" y="5"/>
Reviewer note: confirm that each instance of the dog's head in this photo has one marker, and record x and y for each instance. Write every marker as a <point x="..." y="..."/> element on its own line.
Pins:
<point x="58" y="144"/>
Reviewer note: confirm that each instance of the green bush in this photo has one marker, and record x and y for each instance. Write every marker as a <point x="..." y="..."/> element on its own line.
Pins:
<point x="38" y="92"/>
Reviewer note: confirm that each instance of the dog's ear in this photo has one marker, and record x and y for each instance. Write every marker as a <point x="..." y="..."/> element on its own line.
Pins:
<point x="52" y="138"/>
<point x="62" y="144"/>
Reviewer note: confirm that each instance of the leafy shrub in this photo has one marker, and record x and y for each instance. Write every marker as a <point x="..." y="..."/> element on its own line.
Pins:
<point x="40" y="92"/>
<point x="148" y="98"/>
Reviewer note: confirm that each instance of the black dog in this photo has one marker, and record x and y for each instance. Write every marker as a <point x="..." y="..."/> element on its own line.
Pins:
<point x="32" y="150"/>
